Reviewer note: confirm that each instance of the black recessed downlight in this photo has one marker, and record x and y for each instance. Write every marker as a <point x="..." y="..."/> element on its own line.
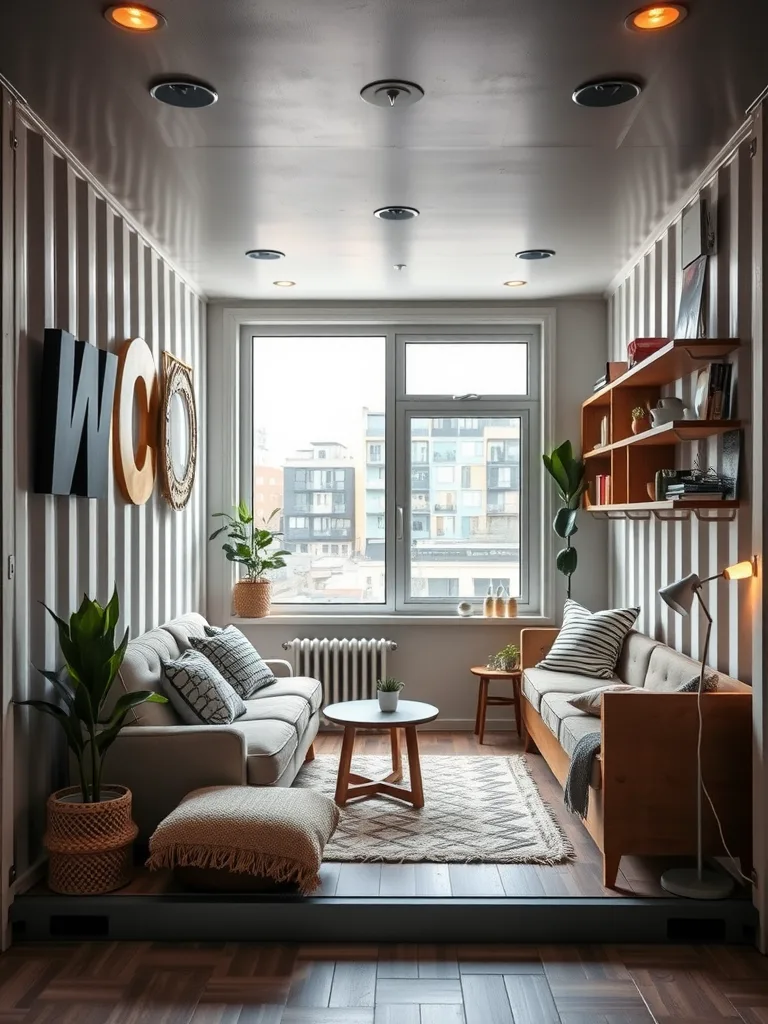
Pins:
<point x="535" y="254"/>
<point x="396" y="213"/>
<point x="265" y="254"/>
<point x="187" y="93"/>
<point x="391" y="93"/>
<point x="606" y="92"/>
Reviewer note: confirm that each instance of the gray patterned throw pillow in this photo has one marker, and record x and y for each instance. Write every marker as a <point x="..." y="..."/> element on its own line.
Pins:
<point x="199" y="692"/>
<point x="236" y="658"/>
<point x="711" y="682"/>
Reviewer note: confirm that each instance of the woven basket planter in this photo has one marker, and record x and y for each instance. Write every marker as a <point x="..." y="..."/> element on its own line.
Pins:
<point x="90" y="846"/>
<point x="252" y="598"/>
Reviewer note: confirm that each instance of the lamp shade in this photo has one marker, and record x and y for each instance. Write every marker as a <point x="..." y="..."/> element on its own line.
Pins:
<point x="739" y="571"/>
<point x="679" y="595"/>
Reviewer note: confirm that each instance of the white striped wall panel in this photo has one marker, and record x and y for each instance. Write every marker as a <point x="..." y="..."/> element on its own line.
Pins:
<point x="80" y="266"/>
<point x="647" y="554"/>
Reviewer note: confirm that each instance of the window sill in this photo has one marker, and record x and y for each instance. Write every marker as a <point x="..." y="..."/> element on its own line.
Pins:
<point x="391" y="619"/>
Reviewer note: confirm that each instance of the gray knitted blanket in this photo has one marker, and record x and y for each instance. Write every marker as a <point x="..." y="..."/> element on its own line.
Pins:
<point x="577" y="783"/>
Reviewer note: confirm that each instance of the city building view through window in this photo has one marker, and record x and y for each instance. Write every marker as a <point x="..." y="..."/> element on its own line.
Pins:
<point x="320" y="455"/>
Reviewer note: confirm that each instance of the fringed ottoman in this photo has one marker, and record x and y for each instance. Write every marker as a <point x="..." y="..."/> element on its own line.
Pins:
<point x="246" y="837"/>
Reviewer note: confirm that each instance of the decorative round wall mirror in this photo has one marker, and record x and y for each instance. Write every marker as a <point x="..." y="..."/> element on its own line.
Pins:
<point x="178" y="432"/>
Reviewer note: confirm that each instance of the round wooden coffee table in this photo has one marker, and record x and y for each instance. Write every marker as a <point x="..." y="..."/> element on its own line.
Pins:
<point x="365" y="714"/>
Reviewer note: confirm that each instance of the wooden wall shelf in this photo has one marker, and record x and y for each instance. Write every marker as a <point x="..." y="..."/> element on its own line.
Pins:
<point x="708" y="510"/>
<point x="633" y="460"/>
<point x="668" y="434"/>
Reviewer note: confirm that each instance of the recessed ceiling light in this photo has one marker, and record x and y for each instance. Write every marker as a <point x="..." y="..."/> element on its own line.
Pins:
<point x="392" y="93"/>
<point x="396" y="213"/>
<point x="284" y="284"/>
<point x="606" y="92"/>
<point x="656" y="16"/>
<point x="514" y="284"/>
<point x="398" y="266"/>
<point x="265" y="254"/>
<point x="134" y="17"/>
<point x="535" y="254"/>
<point x="183" y="92"/>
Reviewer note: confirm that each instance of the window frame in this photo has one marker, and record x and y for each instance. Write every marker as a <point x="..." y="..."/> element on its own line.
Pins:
<point x="537" y="330"/>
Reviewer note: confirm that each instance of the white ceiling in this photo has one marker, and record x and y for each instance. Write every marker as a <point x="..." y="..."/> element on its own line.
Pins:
<point x="496" y="156"/>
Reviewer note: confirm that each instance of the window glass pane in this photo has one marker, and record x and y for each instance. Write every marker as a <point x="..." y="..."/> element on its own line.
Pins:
<point x="466" y="537"/>
<point x="319" y="452"/>
<point x="461" y="367"/>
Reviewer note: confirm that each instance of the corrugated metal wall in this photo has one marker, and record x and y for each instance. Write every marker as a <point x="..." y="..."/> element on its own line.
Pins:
<point x="647" y="554"/>
<point x="80" y="266"/>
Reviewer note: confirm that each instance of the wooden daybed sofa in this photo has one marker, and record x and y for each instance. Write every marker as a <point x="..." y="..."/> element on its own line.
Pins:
<point x="642" y="797"/>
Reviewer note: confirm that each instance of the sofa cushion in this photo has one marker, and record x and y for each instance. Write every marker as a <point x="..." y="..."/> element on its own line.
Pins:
<point x="592" y="701"/>
<point x="223" y="830"/>
<point x="538" y="681"/>
<point x="589" y="643"/>
<point x="286" y="708"/>
<point x="295" y="686"/>
<point x="270" y="745"/>
<point x="142" y="670"/>
<point x="554" y="708"/>
<point x="574" y="728"/>
<point x="199" y="692"/>
<point x="635" y="655"/>
<point x="668" y="670"/>
<point x="237" y="659"/>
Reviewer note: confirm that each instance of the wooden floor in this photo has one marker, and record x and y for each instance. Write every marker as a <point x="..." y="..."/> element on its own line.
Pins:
<point x="151" y="983"/>
<point x="580" y="877"/>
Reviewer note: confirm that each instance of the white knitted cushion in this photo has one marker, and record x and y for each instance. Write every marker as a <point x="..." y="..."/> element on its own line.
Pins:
<point x="259" y="830"/>
<point x="589" y="643"/>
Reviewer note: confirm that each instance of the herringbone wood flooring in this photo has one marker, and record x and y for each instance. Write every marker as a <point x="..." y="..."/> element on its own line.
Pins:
<point x="152" y="983"/>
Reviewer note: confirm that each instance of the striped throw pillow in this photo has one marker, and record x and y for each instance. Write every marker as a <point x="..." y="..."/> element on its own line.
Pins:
<point x="589" y="643"/>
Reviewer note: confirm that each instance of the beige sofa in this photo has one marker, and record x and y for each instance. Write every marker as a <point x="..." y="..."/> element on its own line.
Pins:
<point x="161" y="759"/>
<point x="642" y="798"/>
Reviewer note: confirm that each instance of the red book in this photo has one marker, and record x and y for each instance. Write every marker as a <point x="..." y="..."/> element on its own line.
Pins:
<point x="641" y="348"/>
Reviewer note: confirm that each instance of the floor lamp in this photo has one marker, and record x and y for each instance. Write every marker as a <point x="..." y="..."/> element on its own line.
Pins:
<point x="698" y="883"/>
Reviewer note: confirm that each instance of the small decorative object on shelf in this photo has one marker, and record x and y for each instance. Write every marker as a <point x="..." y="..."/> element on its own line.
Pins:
<point x="640" y="421"/>
<point x="507" y="659"/>
<point x="641" y="348"/>
<point x="690" y="314"/>
<point x="511" y="611"/>
<point x="712" y="400"/>
<point x="251" y="547"/>
<point x="489" y="604"/>
<point x="388" y="692"/>
<point x="464" y="609"/>
<point x="500" y="603"/>
<point x="667" y="410"/>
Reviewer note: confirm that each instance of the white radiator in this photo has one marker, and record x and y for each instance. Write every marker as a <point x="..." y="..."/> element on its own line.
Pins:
<point x="348" y="669"/>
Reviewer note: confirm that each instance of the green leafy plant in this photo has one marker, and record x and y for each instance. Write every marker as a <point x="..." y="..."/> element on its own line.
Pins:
<point x="247" y="544"/>
<point x="507" y="660"/>
<point x="567" y="471"/>
<point x="389" y="685"/>
<point x="639" y="413"/>
<point x="92" y="662"/>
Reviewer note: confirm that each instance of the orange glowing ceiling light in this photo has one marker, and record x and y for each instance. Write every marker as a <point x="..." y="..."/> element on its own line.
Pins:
<point x="656" y="16"/>
<point x="134" y="18"/>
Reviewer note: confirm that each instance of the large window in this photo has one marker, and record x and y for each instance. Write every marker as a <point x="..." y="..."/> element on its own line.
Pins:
<point x="407" y="466"/>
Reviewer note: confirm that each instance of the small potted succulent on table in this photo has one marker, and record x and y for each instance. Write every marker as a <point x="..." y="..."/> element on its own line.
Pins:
<point x="507" y="660"/>
<point x="640" y="420"/>
<point x="388" y="691"/>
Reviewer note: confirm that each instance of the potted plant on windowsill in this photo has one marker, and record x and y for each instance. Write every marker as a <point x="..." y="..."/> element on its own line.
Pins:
<point x="249" y="546"/>
<point x="90" y="831"/>
<point x="388" y="691"/>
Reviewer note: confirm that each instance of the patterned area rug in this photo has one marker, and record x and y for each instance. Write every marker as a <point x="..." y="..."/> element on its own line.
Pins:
<point x="477" y="809"/>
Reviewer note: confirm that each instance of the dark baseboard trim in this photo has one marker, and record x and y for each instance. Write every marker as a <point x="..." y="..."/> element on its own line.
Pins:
<point x="244" y="918"/>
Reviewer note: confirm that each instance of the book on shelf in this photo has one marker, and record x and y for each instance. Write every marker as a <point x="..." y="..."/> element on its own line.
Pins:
<point x="695" y="496"/>
<point x="603" y="489"/>
<point x="712" y="398"/>
<point x="613" y="370"/>
<point x="699" y="486"/>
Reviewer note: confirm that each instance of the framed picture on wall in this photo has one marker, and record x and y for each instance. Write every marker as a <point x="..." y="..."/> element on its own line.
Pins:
<point x="690" y="315"/>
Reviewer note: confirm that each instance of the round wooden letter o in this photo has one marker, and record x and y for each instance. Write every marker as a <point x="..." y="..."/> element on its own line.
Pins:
<point x="135" y="465"/>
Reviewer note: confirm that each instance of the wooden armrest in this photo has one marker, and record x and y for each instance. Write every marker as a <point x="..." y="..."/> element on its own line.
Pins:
<point x="649" y="764"/>
<point x="534" y="644"/>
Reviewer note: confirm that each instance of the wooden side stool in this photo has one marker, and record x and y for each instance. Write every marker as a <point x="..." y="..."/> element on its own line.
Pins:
<point x="484" y="701"/>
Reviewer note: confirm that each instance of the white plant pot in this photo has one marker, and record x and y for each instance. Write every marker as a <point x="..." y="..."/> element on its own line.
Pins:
<point x="388" y="700"/>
